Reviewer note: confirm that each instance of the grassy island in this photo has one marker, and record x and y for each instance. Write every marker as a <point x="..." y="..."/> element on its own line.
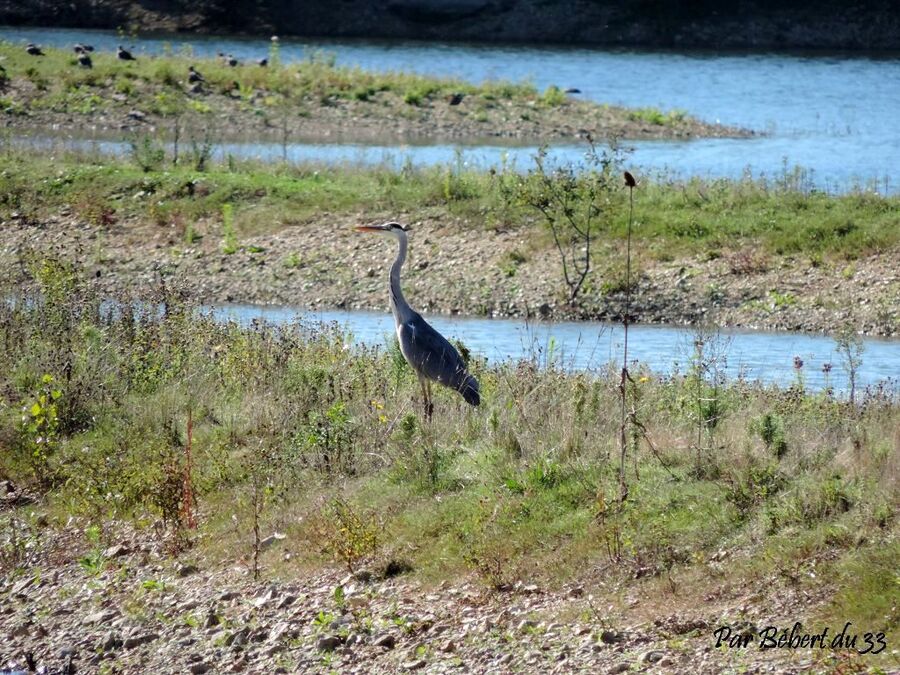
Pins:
<point x="312" y="98"/>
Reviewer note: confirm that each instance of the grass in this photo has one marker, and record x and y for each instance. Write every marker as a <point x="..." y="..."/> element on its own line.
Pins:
<point x="59" y="84"/>
<point x="157" y="85"/>
<point x="523" y="488"/>
<point x="750" y="221"/>
<point x="657" y="117"/>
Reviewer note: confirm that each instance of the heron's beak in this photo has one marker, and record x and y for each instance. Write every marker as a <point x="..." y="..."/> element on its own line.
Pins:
<point x="369" y="228"/>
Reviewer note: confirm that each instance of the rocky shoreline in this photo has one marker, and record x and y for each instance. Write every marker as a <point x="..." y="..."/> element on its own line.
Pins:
<point x="461" y="268"/>
<point x="138" y="610"/>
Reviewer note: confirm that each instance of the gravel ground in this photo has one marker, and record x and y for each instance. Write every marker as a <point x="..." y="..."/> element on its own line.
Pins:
<point x="462" y="268"/>
<point x="140" y="610"/>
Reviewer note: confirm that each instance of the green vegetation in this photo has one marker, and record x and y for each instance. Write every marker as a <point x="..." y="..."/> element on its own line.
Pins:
<point x="287" y="425"/>
<point x="745" y="221"/>
<point x="160" y="82"/>
<point x="657" y="116"/>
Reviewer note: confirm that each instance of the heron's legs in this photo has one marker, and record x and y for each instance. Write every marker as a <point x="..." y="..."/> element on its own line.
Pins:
<point x="426" y="398"/>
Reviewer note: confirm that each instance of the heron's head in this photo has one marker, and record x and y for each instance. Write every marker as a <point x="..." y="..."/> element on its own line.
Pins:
<point x="395" y="229"/>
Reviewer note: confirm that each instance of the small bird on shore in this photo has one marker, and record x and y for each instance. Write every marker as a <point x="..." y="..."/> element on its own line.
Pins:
<point x="124" y="54"/>
<point x="572" y="90"/>
<point x="33" y="49"/>
<point x="194" y="75"/>
<point x="262" y="62"/>
<point x="429" y="353"/>
<point x="456" y="99"/>
<point x="84" y="60"/>
<point x="229" y="60"/>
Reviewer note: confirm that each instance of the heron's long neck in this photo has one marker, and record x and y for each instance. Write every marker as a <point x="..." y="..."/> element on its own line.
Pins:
<point x="401" y="309"/>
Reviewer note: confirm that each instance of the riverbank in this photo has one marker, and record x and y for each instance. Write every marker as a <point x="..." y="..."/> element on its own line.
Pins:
<point x="185" y="493"/>
<point x="181" y="493"/>
<point x="755" y="24"/>
<point x="742" y="254"/>
<point x="312" y="99"/>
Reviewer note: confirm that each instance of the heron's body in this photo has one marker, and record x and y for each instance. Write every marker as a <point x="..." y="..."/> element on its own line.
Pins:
<point x="429" y="353"/>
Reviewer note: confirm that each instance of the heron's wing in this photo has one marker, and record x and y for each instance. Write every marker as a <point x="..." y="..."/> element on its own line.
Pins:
<point x="430" y="354"/>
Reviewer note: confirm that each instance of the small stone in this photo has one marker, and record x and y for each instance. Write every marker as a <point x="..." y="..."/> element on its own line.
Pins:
<point x="448" y="646"/>
<point x="132" y="642"/>
<point x="100" y="617"/>
<point x="111" y="641"/>
<point x="187" y="570"/>
<point x="387" y="641"/>
<point x="652" y="656"/>
<point x="507" y="658"/>
<point x="414" y="665"/>
<point x="341" y="621"/>
<point x="115" y="551"/>
<point x="610" y="637"/>
<point x="328" y="643"/>
<point x="229" y="595"/>
<point x="271" y="539"/>
<point x="20" y="586"/>
<point x="238" y="638"/>
<point x="199" y="667"/>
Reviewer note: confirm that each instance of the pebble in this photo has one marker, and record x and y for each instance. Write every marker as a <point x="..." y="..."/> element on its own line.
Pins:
<point x="652" y="656"/>
<point x="414" y="665"/>
<point x="133" y="642"/>
<point x="387" y="641"/>
<point x="328" y="643"/>
<point x="187" y="569"/>
<point x="101" y="617"/>
<point x="610" y="637"/>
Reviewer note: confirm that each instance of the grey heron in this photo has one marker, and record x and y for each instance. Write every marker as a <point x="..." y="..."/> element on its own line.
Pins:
<point x="429" y="353"/>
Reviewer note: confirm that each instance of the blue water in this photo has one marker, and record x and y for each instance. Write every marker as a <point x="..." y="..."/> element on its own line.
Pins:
<point x="764" y="356"/>
<point x="830" y="114"/>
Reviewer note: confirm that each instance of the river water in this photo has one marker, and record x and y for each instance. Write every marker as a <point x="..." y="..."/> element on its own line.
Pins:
<point x="753" y="355"/>
<point x="831" y="114"/>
